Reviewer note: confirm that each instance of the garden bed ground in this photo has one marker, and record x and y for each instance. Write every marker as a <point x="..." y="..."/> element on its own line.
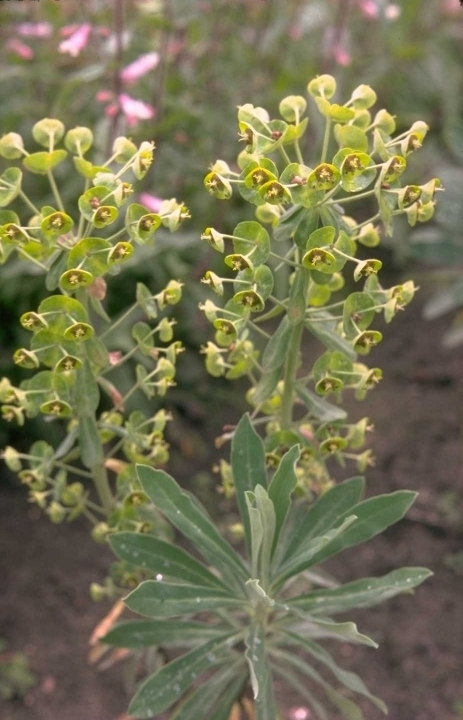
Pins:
<point x="46" y="570"/>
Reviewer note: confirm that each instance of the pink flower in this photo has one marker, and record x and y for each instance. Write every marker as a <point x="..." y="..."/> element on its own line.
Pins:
<point x="342" y="57"/>
<point x="20" y="48"/>
<point x="77" y="41"/>
<point x="299" y="713"/>
<point x="135" y="110"/>
<point x="369" y="8"/>
<point x="151" y="202"/>
<point x="104" y="96"/>
<point x="37" y="30"/>
<point x="139" y="67"/>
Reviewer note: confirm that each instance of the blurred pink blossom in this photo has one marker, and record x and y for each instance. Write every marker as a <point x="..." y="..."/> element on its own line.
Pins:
<point x="299" y="713"/>
<point x="77" y="41"/>
<point x="369" y="8"/>
<point x="135" y="110"/>
<point x="342" y="57"/>
<point x="104" y="95"/>
<point x="19" y="48"/>
<point x="136" y="69"/>
<point x="37" y="30"/>
<point x="151" y="202"/>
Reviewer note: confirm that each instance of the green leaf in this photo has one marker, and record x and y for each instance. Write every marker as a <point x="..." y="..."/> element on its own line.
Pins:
<point x="256" y="531"/>
<point x="266" y="386"/>
<point x="364" y="593"/>
<point x="87" y="394"/>
<point x="332" y="506"/>
<point x="10" y="186"/>
<point x="297" y="302"/>
<point x="215" y="698"/>
<point x="91" y="451"/>
<point x="41" y="162"/>
<point x="186" y="514"/>
<point x="281" y="488"/>
<point x="166" y="686"/>
<point x="146" y="301"/>
<point x="327" y="333"/>
<point x="255" y="655"/>
<point x="138" y="634"/>
<point x="276" y="350"/>
<point x="248" y="467"/>
<point x="304" y="557"/>
<point x="251" y="238"/>
<point x="349" y="679"/>
<point x="89" y="255"/>
<point x="288" y="223"/>
<point x="150" y="553"/>
<point x="155" y="598"/>
<point x="262" y="520"/>
<point x="301" y="688"/>
<point x="318" y="407"/>
<point x="373" y="516"/>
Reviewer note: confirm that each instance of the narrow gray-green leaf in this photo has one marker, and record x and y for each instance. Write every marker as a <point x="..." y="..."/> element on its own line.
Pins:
<point x="360" y="593"/>
<point x="188" y="517"/>
<point x="248" y="466"/>
<point x="266" y="385"/>
<point x="326" y="511"/>
<point x="91" y="451"/>
<point x="256" y="531"/>
<point x="161" y="690"/>
<point x="150" y="553"/>
<point x="266" y="510"/>
<point x="373" y="516"/>
<point x="304" y="556"/>
<point x="291" y="679"/>
<point x="328" y="335"/>
<point x="349" y="679"/>
<point x="215" y="698"/>
<point x="319" y="628"/>
<point x="320" y="408"/>
<point x="276" y="350"/>
<point x="281" y="488"/>
<point x="349" y="709"/>
<point x="161" y="599"/>
<point x="143" y="633"/>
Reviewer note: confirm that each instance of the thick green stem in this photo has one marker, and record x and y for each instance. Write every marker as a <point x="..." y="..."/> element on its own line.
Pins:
<point x="289" y="381"/>
<point x="101" y="482"/>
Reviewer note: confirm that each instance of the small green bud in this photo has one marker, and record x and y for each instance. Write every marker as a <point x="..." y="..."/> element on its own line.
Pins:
<point x="79" y="331"/>
<point x="214" y="281"/>
<point x="12" y="459"/>
<point x="48" y="132"/>
<point x="100" y="532"/>
<point x="292" y="107"/>
<point x="78" y="140"/>
<point x="363" y="97"/>
<point x="26" y="359"/>
<point x="214" y="238"/>
<point x="165" y="330"/>
<point x="323" y="86"/>
<point x="171" y="295"/>
<point x="124" y="149"/>
<point x="385" y="121"/>
<point x="218" y="186"/>
<point x="33" y="321"/>
<point x="12" y="413"/>
<point x="56" y="512"/>
<point x="72" y="494"/>
<point x="121" y="252"/>
<point x="98" y="592"/>
<point x="73" y="279"/>
<point x="369" y="236"/>
<point x="11" y="146"/>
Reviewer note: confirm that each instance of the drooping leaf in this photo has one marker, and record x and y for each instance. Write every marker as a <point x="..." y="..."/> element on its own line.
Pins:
<point x="320" y="408"/>
<point x="276" y="350"/>
<point x="255" y="655"/>
<point x="187" y="516"/>
<point x="349" y="679"/>
<point x="168" y="684"/>
<point x="150" y="553"/>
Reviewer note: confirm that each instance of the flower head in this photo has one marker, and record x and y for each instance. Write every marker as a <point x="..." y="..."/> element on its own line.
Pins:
<point x="136" y="69"/>
<point x="135" y="110"/>
<point x="36" y="30"/>
<point x="19" y="48"/>
<point x="77" y="41"/>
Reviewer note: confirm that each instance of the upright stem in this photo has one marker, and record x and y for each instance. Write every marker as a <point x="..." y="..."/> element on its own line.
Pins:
<point x="289" y="380"/>
<point x="100" y="479"/>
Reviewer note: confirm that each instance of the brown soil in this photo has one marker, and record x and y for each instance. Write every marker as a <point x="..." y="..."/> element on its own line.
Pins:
<point x="46" y="570"/>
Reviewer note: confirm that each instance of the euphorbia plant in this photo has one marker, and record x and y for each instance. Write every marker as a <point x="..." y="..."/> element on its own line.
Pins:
<point x="74" y="350"/>
<point x="247" y="620"/>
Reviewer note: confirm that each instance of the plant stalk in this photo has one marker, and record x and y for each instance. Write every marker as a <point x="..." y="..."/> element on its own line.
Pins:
<point x="289" y="380"/>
